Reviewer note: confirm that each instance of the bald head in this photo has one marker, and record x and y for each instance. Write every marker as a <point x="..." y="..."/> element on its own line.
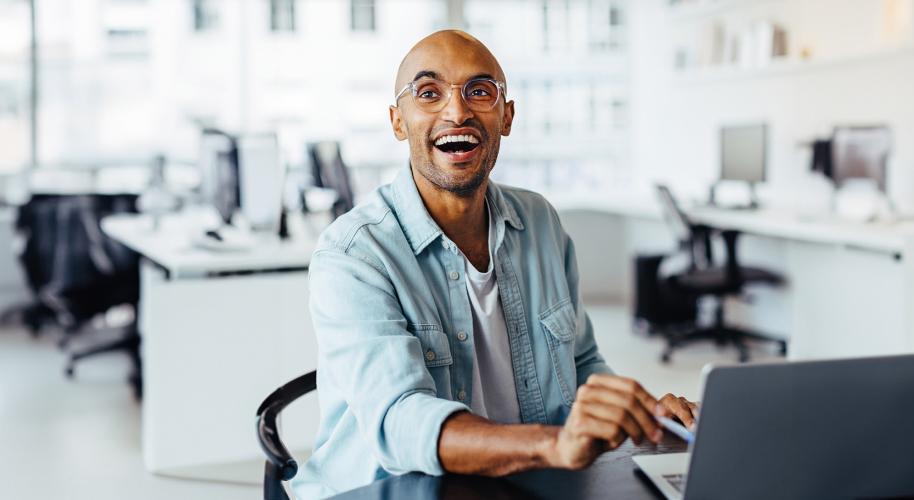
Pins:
<point x="438" y="54"/>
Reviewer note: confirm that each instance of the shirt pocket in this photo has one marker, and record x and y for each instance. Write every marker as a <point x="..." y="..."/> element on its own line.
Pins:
<point x="435" y="346"/>
<point x="560" y="326"/>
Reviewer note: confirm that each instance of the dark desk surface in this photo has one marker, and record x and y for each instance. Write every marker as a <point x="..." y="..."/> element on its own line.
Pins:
<point x="611" y="476"/>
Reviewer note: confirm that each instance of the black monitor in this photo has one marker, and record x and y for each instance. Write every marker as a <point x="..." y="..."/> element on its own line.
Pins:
<point x="743" y="153"/>
<point x="860" y="152"/>
<point x="219" y="168"/>
<point x="330" y="172"/>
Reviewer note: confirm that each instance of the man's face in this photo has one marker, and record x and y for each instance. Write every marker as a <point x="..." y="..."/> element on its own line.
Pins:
<point x="457" y="164"/>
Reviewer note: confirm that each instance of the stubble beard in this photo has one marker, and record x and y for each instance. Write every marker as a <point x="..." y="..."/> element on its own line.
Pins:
<point x="437" y="175"/>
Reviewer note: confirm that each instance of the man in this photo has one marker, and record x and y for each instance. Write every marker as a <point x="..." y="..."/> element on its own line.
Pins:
<point x="450" y="329"/>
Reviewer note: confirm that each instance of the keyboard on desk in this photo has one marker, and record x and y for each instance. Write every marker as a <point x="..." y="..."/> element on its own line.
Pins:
<point x="676" y="481"/>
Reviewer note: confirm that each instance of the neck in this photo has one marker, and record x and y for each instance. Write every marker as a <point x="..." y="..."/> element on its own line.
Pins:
<point x="462" y="218"/>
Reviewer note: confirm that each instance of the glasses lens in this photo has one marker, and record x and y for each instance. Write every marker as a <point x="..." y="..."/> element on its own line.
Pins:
<point x="431" y="95"/>
<point x="480" y="95"/>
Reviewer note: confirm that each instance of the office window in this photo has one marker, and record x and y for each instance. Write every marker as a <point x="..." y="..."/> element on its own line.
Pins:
<point x="15" y="87"/>
<point x="206" y="15"/>
<point x="363" y="15"/>
<point x="568" y="63"/>
<point x="282" y="15"/>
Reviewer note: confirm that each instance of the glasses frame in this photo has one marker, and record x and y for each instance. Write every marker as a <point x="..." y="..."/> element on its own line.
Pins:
<point x="501" y="86"/>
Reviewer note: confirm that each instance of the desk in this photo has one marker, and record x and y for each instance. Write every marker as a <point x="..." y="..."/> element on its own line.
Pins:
<point x="611" y="476"/>
<point x="850" y="285"/>
<point x="219" y="334"/>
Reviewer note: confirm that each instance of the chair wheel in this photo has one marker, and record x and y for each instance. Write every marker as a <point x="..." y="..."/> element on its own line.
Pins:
<point x="665" y="358"/>
<point x="69" y="372"/>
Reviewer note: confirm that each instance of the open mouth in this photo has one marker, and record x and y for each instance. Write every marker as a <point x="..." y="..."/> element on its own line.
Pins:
<point x="457" y="144"/>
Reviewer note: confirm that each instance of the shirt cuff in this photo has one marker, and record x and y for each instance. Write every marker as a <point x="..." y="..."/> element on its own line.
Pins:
<point x="422" y="434"/>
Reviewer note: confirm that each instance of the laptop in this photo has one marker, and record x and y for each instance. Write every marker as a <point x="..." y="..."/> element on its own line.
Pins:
<point x="836" y="429"/>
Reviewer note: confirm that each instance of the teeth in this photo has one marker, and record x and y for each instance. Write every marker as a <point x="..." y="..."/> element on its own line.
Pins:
<point x="456" y="138"/>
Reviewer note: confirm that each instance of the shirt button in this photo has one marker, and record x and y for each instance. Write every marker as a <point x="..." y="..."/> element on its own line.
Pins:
<point x="461" y="395"/>
<point x="462" y="335"/>
<point x="430" y="355"/>
<point x="454" y="275"/>
<point x="446" y="245"/>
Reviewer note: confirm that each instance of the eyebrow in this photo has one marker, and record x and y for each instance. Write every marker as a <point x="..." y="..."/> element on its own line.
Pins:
<point x="424" y="74"/>
<point x="432" y="74"/>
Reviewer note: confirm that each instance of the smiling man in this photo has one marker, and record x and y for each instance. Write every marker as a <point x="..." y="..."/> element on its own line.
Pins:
<point x="450" y="327"/>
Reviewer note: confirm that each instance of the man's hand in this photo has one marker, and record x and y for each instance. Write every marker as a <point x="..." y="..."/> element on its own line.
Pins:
<point x="606" y="411"/>
<point x="684" y="410"/>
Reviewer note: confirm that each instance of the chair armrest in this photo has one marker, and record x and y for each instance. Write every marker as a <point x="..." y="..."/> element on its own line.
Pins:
<point x="267" y="429"/>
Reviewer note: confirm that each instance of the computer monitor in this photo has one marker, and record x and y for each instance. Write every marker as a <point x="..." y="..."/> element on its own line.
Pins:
<point x="743" y="153"/>
<point x="261" y="180"/>
<point x="330" y="172"/>
<point x="860" y="152"/>
<point x="219" y="172"/>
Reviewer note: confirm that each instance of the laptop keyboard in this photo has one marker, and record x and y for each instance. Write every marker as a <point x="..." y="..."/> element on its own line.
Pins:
<point x="676" y="480"/>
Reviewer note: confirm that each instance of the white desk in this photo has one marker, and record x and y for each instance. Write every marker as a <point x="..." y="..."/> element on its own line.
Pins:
<point x="850" y="285"/>
<point x="885" y="236"/>
<point x="218" y="336"/>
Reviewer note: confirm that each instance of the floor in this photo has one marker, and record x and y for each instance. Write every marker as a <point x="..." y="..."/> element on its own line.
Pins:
<point x="80" y="439"/>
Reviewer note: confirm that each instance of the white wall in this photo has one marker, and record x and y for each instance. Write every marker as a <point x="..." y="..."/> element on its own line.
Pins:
<point x="677" y="117"/>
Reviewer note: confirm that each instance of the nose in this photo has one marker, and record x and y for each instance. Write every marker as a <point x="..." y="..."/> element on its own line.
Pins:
<point x="456" y="110"/>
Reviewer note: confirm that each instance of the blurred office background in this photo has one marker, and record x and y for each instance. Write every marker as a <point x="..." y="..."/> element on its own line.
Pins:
<point x="113" y="107"/>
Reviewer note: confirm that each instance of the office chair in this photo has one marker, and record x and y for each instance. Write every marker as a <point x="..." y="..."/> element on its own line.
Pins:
<point x="280" y="466"/>
<point x="76" y="272"/>
<point x="701" y="278"/>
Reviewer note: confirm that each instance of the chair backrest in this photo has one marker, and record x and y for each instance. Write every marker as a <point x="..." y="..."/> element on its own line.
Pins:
<point x="674" y="218"/>
<point x="280" y="465"/>
<point x="72" y="266"/>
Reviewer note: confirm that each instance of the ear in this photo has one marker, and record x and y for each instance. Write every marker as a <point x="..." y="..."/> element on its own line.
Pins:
<point x="508" y="119"/>
<point x="396" y="122"/>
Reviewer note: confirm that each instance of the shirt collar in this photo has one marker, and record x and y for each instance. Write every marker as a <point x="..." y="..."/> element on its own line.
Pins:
<point x="418" y="226"/>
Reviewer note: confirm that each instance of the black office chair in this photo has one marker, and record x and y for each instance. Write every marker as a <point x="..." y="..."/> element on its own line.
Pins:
<point x="75" y="271"/>
<point x="702" y="278"/>
<point x="280" y="466"/>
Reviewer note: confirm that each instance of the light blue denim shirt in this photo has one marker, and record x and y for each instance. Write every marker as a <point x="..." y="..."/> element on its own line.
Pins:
<point x="390" y="309"/>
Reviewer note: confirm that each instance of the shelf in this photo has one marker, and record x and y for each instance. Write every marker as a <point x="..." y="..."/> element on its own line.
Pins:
<point x="726" y="74"/>
<point x="702" y="10"/>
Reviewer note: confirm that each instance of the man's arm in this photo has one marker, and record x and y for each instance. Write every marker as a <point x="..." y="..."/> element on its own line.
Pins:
<point x="606" y="411"/>
<point x="375" y="362"/>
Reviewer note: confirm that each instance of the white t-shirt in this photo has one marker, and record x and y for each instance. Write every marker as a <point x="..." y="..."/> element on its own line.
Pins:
<point x="494" y="392"/>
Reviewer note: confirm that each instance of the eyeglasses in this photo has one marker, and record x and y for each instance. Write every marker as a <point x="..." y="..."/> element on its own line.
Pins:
<point x="433" y="95"/>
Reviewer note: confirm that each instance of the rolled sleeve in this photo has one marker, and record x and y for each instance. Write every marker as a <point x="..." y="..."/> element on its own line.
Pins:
<point x="419" y="445"/>
<point x="376" y="363"/>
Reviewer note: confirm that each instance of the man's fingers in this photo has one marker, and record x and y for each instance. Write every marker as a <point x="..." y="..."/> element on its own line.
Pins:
<point x="626" y="386"/>
<point x="679" y="408"/>
<point x="617" y="442"/>
<point x="622" y="409"/>
<point x="596" y="429"/>
<point x="692" y="407"/>
<point x="615" y="416"/>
